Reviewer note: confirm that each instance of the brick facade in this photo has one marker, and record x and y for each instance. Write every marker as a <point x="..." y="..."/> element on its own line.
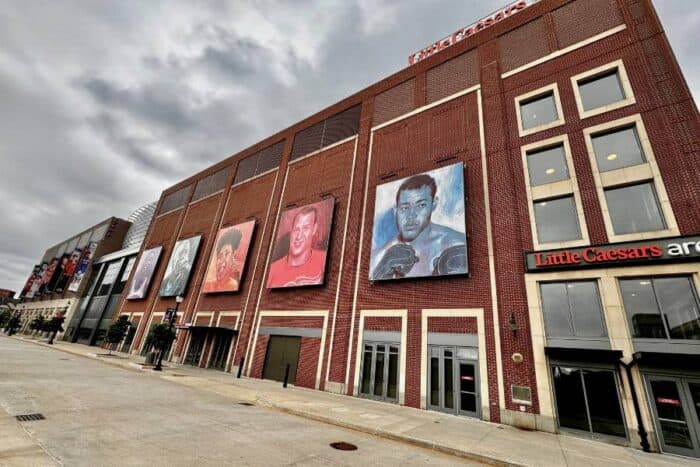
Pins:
<point x="484" y="73"/>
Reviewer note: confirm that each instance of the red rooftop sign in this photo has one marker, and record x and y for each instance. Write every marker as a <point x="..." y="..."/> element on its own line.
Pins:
<point x="470" y="30"/>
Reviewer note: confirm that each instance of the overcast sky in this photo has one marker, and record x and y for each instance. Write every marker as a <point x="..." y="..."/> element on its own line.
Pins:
<point x="103" y="104"/>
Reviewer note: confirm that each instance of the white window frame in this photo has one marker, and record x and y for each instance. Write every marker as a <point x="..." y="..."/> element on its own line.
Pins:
<point x="554" y="190"/>
<point x="619" y="67"/>
<point x="647" y="172"/>
<point x="553" y="88"/>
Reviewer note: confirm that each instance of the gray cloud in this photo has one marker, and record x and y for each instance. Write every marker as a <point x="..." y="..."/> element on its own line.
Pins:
<point x="105" y="104"/>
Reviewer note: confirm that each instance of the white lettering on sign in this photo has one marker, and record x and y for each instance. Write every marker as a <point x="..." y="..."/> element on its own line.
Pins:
<point x="683" y="248"/>
<point x="470" y="30"/>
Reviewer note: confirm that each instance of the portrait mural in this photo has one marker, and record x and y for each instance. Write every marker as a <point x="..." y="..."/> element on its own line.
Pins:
<point x="177" y="274"/>
<point x="69" y="267"/>
<point x="299" y="254"/>
<point x="30" y="281"/>
<point x="47" y="276"/>
<point x="143" y="274"/>
<point x="83" y="265"/>
<point x="419" y="226"/>
<point x="228" y="258"/>
<point x="36" y="283"/>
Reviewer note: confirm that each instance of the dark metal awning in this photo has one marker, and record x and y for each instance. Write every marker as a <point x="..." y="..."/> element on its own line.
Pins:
<point x="587" y="355"/>
<point x="191" y="327"/>
<point x="668" y="360"/>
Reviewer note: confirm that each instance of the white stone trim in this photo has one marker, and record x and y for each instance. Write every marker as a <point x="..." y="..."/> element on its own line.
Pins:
<point x="647" y="172"/>
<point x="295" y="314"/>
<point x="342" y="262"/>
<point x="554" y="190"/>
<point x="461" y="93"/>
<point x="564" y="51"/>
<point x="539" y="92"/>
<point x="403" y="314"/>
<point x="618" y="66"/>
<point x="490" y="251"/>
<point x="325" y="148"/>
<point x="477" y="313"/>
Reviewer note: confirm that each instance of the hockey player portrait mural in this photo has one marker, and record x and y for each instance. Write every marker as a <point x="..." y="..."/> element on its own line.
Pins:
<point x="419" y="226"/>
<point x="177" y="274"/>
<point x="301" y="246"/>
<point x="144" y="273"/>
<point x="228" y="258"/>
<point x="83" y="265"/>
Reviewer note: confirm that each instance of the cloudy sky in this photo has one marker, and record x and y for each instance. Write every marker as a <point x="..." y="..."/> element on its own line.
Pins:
<point x="103" y="104"/>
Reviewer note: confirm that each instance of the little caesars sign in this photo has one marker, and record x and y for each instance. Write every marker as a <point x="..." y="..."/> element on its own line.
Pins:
<point x="470" y="30"/>
<point x="620" y="254"/>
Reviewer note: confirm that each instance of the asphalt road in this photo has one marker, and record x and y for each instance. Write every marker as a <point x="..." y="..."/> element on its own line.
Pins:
<point x="98" y="414"/>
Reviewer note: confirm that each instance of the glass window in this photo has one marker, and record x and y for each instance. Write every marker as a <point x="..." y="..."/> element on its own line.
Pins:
<point x="617" y="149"/>
<point x="572" y="309"/>
<point x="547" y="165"/>
<point x="538" y="111"/>
<point x="634" y="208"/>
<point x="601" y="90"/>
<point x="662" y="307"/>
<point x="557" y="220"/>
<point x="588" y="400"/>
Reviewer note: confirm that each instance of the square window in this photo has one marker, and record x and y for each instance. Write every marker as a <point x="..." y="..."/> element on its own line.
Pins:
<point x="617" y="149"/>
<point x="547" y="165"/>
<point x="572" y="309"/>
<point x="661" y="307"/>
<point x="601" y="90"/>
<point x="557" y="220"/>
<point x="538" y="111"/>
<point x="634" y="209"/>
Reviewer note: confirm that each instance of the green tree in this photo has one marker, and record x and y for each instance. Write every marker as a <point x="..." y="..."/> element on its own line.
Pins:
<point x="161" y="336"/>
<point x="5" y="316"/>
<point x="116" y="332"/>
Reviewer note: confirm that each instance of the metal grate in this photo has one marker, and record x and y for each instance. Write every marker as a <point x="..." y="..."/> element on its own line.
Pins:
<point x="30" y="417"/>
<point x="343" y="446"/>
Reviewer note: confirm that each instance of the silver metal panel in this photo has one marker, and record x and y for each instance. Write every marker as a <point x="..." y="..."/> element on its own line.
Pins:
<point x="382" y="336"/>
<point x="448" y="338"/>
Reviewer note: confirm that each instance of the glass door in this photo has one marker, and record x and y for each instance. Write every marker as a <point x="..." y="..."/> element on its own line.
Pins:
<point x="676" y="405"/>
<point x="453" y="381"/>
<point x="222" y="344"/>
<point x="380" y="371"/>
<point x="194" y="353"/>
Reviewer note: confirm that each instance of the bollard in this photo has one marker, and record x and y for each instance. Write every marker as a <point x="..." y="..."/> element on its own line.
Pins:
<point x="286" y="376"/>
<point x="240" y="367"/>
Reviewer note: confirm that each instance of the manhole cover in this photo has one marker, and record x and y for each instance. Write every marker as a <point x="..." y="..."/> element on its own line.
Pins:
<point x="343" y="446"/>
<point x="30" y="417"/>
<point x="64" y="358"/>
<point x="247" y="404"/>
<point x="177" y="374"/>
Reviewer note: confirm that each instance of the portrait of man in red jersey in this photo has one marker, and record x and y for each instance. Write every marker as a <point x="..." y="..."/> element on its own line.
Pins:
<point x="299" y="255"/>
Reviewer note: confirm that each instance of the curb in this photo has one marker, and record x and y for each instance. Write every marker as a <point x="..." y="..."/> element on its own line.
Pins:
<point x="136" y="367"/>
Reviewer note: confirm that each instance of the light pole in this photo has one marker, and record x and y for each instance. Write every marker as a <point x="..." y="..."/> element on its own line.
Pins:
<point x="166" y="345"/>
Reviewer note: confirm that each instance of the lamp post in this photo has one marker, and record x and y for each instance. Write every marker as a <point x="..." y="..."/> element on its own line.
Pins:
<point x="171" y="319"/>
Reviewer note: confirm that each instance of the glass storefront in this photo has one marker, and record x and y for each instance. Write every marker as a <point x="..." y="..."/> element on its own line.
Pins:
<point x="675" y="403"/>
<point x="588" y="400"/>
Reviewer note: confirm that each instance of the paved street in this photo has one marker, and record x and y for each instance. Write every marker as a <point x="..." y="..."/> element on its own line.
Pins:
<point x="98" y="414"/>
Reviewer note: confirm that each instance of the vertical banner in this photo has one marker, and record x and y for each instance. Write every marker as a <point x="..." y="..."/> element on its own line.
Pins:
<point x="36" y="284"/>
<point x="82" y="266"/>
<point x="47" y="275"/>
<point x="30" y="281"/>
<point x="69" y="267"/>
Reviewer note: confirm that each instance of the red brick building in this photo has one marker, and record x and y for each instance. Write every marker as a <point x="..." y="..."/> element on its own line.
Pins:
<point x="578" y="139"/>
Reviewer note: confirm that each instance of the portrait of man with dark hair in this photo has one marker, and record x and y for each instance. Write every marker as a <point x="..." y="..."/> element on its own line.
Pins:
<point x="301" y="246"/>
<point x="419" y="226"/>
<point x="228" y="258"/>
<point x="177" y="274"/>
<point x="138" y="288"/>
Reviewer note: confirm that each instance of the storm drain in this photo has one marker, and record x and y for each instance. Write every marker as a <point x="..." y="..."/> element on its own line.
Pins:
<point x="30" y="417"/>
<point x="343" y="446"/>
<point x="247" y="404"/>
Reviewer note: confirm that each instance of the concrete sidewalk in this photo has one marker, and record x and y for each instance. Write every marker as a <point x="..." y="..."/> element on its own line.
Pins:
<point x="465" y="437"/>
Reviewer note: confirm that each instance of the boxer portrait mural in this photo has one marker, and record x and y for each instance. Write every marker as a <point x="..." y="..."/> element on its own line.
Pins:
<point x="228" y="258"/>
<point x="299" y="255"/>
<point x="419" y="226"/>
